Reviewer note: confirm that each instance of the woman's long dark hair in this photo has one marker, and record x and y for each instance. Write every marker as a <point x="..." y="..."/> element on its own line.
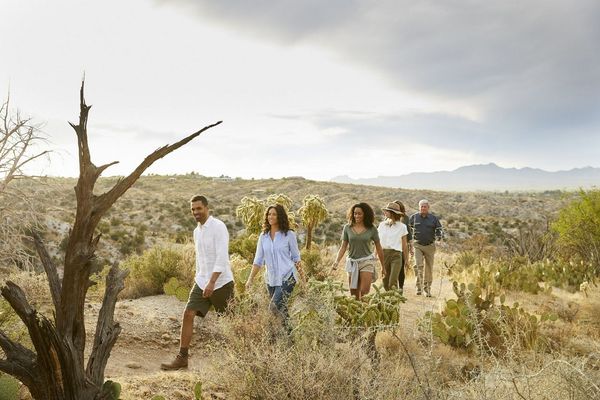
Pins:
<point x="369" y="217"/>
<point x="282" y="219"/>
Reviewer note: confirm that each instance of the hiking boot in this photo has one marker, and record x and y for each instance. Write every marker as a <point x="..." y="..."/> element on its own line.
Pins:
<point x="180" y="362"/>
<point x="418" y="292"/>
<point x="427" y="294"/>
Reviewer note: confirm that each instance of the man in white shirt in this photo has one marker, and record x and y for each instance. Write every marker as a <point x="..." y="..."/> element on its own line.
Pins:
<point x="213" y="284"/>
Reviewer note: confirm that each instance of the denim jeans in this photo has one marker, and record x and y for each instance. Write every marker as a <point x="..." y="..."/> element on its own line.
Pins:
<point x="280" y="295"/>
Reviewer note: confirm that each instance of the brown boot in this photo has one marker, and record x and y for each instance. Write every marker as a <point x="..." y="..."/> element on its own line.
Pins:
<point x="180" y="362"/>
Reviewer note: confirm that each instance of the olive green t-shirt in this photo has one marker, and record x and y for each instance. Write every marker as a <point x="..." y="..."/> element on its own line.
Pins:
<point x="360" y="245"/>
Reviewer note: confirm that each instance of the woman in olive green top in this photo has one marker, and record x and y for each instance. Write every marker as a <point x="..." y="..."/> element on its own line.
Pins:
<point x="358" y="238"/>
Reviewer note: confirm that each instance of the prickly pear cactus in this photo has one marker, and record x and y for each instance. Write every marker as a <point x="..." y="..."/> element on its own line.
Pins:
<point x="173" y="287"/>
<point x="113" y="388"/>
<point x="380" y="308"/>
<point x="9" y="387"/>
<point x="474" y="318"/>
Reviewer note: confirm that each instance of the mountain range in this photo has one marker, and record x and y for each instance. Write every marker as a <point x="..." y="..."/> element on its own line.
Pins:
<point x="487" y="177"/>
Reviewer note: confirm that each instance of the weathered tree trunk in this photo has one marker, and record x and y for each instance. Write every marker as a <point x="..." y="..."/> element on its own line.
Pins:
<point x="309" y="230"/>
<point x="57" y="370"/>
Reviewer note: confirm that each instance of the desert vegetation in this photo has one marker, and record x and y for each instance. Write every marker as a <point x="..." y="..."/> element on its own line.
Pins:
<point x="515" y="312"/>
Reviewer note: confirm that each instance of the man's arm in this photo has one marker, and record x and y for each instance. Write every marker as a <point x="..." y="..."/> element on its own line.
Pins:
<point x="210" y="286"/>
<point x="439" y="231"/>
<point x="221" y="243"/>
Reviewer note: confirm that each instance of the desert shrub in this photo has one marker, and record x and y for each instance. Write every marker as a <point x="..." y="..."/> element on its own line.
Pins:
<point x="465" y="260"/>
<point x="244" y="246"/>
<point x="578" y="229"/>
<point x="149" y="271"/>
<point x="476" y="323"/>
<point x="241" y="269"/>
<point x="534" y="241"/>
<point x="312" y="263"/>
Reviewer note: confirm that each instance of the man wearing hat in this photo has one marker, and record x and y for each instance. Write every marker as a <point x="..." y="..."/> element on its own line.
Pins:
<point x="425" y="229"/>
<point x="392" y="235"/>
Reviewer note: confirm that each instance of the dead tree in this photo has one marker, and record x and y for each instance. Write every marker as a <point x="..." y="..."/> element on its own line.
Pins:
<point x="57" y="370"/>
<point x="19" y="138"/>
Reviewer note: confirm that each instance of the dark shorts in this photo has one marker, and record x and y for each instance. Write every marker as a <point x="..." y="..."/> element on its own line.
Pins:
<point x="219" y="299"/>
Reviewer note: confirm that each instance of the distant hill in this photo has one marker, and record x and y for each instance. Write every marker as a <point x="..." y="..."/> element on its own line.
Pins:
<point x="487" y="177"/>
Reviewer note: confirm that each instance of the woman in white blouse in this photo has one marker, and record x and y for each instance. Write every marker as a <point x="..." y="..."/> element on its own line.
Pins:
<point x="392" y="234"/>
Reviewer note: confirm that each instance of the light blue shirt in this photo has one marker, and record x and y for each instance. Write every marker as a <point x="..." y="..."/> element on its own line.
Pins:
<point x="279" y="255"/>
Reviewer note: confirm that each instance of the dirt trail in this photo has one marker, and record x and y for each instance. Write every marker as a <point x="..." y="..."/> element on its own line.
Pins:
<point x="150" y="333"/>
<point x="149" y="336"/>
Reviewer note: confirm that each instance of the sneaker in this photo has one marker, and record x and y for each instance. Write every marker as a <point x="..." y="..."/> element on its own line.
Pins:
<point x="427" y="294"/>
<point x="180" y="362"/>
<point x="418" y="292"/>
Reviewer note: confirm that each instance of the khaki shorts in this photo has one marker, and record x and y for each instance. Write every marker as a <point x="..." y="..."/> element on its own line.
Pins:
<point x="366" y="266"/>
<point x="219" y="299"/>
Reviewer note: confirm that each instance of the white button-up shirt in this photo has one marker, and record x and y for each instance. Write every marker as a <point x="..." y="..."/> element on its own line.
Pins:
<point x="212" y="253"/>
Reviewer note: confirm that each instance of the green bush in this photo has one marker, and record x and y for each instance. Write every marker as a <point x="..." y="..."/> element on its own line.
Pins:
<point x="241" y="269"/>
<point x="578" y="228"/>
<point x="312" y="263"/>
<point x="149" y="271"/>
<point x="244" y="246"/>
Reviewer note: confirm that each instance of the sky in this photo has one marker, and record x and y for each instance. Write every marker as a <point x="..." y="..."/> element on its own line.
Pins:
<point x="309" y="88"/>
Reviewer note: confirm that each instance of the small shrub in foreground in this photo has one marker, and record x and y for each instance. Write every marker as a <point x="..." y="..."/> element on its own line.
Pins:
<point x="149" y="271"/>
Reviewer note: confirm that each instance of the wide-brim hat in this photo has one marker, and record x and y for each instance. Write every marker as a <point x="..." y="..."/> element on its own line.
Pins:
<point x="393" y="207"/>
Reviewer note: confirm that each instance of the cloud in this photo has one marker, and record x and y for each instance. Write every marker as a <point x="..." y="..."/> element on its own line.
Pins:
<point x="529" y="67"/>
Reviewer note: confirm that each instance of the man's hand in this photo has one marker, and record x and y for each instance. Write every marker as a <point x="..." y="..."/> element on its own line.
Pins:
<point x="208" y="290"/>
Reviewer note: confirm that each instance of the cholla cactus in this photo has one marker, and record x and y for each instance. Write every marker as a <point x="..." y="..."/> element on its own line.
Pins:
<point x="312" y="213"/>
<point x="286" y="202"/>
<point x="251" y="211"/>
<point x="282" y="199"/>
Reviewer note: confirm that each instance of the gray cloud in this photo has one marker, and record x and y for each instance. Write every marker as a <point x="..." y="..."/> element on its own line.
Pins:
<point x="533" y="67"/>
<point x="360" y="131"/>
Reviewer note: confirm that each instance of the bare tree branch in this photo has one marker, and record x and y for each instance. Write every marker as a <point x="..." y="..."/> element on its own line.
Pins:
<point x="107" y="331"/>
<point x="50" y="268"/>
<point x="19" y="362"/>
<point x="106" y="200"/>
